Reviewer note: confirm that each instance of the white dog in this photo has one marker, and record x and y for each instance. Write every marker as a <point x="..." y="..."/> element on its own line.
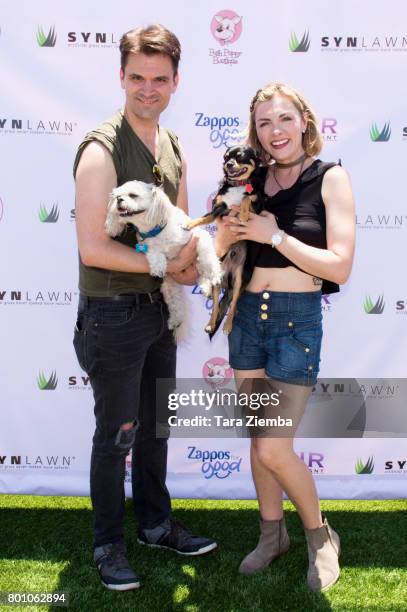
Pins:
<point x="226" y="28"/>
<point x="161" y="233"/>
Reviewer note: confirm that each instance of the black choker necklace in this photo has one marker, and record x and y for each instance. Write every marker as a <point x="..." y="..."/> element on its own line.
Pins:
<point x="293" y="163"/>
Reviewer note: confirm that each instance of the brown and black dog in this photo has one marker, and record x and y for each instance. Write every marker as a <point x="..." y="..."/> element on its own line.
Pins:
<point x="240" y="187"/>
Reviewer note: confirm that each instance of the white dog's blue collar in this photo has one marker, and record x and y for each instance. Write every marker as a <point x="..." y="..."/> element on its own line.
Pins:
<point x="153" y="232"/>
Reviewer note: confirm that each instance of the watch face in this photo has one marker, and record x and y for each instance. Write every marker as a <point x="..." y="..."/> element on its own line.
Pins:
<point x="276" y="239"/>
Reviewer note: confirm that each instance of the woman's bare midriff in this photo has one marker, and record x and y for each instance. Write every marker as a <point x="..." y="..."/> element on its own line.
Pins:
<point x="282" y="279"/>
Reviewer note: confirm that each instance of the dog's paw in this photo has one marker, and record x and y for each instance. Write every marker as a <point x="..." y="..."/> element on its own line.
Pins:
<point x="158" y="264"/>
<point x="206" y="287"/>
<point x="227" y="328"/>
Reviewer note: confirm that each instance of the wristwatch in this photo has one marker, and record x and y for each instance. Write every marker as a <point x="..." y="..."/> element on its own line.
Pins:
<point x="277" y="238"/>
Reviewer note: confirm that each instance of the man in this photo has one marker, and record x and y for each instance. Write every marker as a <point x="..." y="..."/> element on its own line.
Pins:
<point x="121" y="337"/>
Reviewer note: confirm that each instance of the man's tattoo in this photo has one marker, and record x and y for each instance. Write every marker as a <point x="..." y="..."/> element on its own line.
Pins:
<point x="316" y="280"/>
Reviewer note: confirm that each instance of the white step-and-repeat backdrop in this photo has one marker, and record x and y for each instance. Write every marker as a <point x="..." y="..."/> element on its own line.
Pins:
<point x="59" y="70"/>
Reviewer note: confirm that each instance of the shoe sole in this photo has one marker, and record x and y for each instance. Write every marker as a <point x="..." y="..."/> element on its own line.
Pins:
<point x="121" y="587"/>
<point x="328" y="586"/>
<point x="201" y="551"/>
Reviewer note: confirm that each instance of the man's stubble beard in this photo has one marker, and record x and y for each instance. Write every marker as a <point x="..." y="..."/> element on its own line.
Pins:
<point x="142" y="112"/>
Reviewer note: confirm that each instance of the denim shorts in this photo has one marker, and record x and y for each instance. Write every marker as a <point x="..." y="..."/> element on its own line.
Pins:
<point x="280" y="332"/>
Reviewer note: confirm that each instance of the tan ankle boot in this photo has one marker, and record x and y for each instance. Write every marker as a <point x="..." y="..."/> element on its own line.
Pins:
<point x="323" y="551"/>
<point x="273" y="542"/>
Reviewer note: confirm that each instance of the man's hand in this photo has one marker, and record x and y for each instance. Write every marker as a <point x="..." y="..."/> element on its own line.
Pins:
<point x="189" y="276"/>
<point x="185" y="258"/>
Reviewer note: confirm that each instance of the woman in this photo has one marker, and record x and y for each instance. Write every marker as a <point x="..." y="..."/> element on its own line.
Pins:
<point x="302" y="243"/>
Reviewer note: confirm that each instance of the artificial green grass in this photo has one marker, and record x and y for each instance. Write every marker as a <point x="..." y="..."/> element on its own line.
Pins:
<point x="46" y="545"/>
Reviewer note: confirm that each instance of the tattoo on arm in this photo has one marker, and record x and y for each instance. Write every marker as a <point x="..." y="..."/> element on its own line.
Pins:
<point x="317" y="281"/>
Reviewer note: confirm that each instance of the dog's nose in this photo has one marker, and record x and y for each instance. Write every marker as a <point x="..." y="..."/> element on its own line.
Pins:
<point x="230" y="163"/>
<point x="119" y="202"/>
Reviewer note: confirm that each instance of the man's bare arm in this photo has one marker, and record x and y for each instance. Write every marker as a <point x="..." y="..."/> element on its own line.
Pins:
<point x="182" y="199"/>
<point x="95" y="179"/>
<point x="189" y="275"/>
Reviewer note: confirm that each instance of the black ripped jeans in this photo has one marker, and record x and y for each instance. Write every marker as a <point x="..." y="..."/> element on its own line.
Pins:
<point x="124" y="347"/>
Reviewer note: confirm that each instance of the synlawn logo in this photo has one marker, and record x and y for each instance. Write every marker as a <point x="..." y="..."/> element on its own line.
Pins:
<point x="46" y="41"/>
<point x="383" y="135"/>
<point x="301" y="46"/>
<point x="371" y="308"/>
<point x="47" y="385"/>
<point x="367" y="468"/>
<point x="48" y="217"/>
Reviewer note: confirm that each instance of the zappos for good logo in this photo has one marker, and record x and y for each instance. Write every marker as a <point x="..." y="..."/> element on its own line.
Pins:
<point x="48" y="217"/>
<point x="299" y="46"/>
<point x="223" y="130"/>
<point x="217" y="371"/>
<point x="196" y="290"/>
<point x="376" y="308"/>
<point x="48" y="40"/>
<point x="215" y="463"/>
<point x="211" y="228"/>
<point x="364" y="468"/>
<point x="47" y="384"/>
<point x="383" y="135"/>
<point x="209" y="201"/>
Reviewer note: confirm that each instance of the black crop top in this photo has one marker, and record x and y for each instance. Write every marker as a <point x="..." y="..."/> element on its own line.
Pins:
<point x="299" y="211"/>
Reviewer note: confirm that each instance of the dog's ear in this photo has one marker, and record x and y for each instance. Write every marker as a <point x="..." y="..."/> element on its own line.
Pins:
<point x="157" y="212"/>
<point x="114" y="224"/>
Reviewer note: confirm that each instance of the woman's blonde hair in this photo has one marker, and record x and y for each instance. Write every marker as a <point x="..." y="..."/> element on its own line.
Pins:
<point x="311" y="139"/>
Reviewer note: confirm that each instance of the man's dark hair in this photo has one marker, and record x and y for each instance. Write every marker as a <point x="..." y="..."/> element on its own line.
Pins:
<point x="150" y="40"/>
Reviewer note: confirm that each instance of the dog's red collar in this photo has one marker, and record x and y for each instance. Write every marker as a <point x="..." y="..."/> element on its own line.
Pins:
<point x="240" y="183"/>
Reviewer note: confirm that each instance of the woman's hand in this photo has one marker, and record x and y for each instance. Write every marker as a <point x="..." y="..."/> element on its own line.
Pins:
<point x="258" y="228"/>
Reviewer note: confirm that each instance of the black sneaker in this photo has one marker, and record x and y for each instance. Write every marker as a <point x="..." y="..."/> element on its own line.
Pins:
<point x="174" y="535"/>
<point x="113" y="567"/>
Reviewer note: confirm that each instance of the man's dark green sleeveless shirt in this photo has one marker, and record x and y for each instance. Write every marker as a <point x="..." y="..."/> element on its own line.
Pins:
<point x="132" y="161"/>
